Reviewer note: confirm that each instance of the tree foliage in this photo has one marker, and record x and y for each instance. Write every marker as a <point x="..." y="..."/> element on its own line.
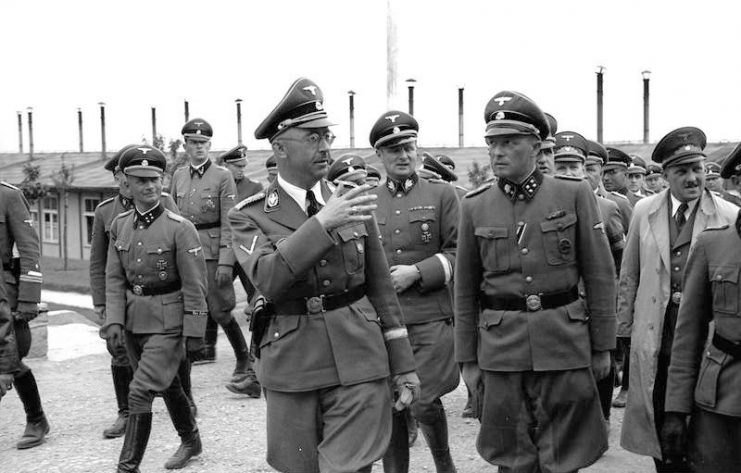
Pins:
<point x="478" y="175"/>
<point x="32" y="189"/>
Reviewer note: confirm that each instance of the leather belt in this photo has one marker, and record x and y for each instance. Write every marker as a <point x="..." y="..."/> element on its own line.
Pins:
<point x="141" y="290"/>
<point x="532" y="302"/>
<point x="318" y="304"/>
<point x="206" y="226"/>
<point x="727" y="346"/>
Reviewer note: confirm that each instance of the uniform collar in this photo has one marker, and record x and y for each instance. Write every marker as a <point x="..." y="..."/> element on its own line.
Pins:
<point x="404" y="186"/>
<point x="299" y="195"/>
<point x="527" y="188"/>
<point x="201" y="169"/>
<point x="126" y="203"/>
<point x="145" y="219"/>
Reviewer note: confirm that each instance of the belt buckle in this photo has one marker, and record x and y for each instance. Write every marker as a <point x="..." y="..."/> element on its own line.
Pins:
<point x="677" y="297"/>
<point x="315" y="305"/>
<point x="138" y="289"/>
<point x="532" y="302"/>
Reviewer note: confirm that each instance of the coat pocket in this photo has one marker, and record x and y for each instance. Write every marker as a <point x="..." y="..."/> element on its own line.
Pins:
<point x="724" y="281"/>
<point x="706" y="390"/>
<point x="494" y="247"/>
<point x="559" y="238"/>
<point x="172" y="311"/>
<point x="280" y="327"/>
<point x="353" y="247"/>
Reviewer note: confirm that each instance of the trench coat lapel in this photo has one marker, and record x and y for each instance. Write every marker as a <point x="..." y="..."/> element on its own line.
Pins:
<point x="659" y="225"/>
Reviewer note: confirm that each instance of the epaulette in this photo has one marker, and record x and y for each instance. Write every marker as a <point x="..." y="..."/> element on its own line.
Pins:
<point x="568" y="178"/>
<point x="618" y="194"/>
<point x="479" y="190"/>
<point x="9" y="185"/>
<point x="250" y="200"/>
<point x="105" y="202"/>
<point x="174" y="216"/>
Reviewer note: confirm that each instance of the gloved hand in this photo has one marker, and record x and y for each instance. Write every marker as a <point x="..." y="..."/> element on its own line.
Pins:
<point x="224" y="275"/>
<point x="600" y="364"/>
<point x="6" y="384"/>
<point x="114" y="335"/>
<point x="673" y="435"/>
<point x="193" y="346"/>
<point x="406" y="386"/>
<point x="26" y="311"/>
<point x="100" y="311"/>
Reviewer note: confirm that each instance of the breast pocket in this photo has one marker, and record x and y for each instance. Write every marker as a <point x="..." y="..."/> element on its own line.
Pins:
<point x="160" y="259"/>
<point x="353" y="247"/>
<point x="559" y="238"/>
<point x="423" y="227"/>
<point x="724" y="283"/>
<point x="123" y="248"/>
<point x="706" y="389"/>
<point x="494" y="247"/>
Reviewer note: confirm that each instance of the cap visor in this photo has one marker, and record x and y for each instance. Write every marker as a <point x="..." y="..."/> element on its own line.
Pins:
<point x="397" y="139"/>
<point x="692" y="158"/>
<point x="505" y="130"/>
<point x="143" y="172"/>
<point x="194" y="137"/>
<point x="318" y="123"/>
<point x="568" y="158"/>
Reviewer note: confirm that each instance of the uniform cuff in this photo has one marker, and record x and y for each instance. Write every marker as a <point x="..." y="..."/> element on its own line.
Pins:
<point x="401" y="358"/>
<point x="435" y="272"/>
<point x="602" y="333"/>
<point x="465" y="346"/>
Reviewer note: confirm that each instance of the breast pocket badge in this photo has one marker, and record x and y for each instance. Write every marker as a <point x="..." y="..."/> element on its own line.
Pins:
<point x="426" y="233"/>
<point x="162" y="266"/>
<point x="208" y="205"/>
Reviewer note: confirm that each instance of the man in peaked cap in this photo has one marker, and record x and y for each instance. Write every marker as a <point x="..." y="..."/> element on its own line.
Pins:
<point x="712" y="177"/>
<point x="545" y="158"/>
<point x="22" y="286"/>
<point x="636" y="174"/>
<point x="663" y="229"/>
<point x="235" y="160"/>
<point x="105" y="212"/>
<point x="155" y="305"/>
<point x="654" y="180"/>
<point x="434" y="169"/>
<point x="418" y="219"/>
<point x="571" y="151"/>
<point x="349" y="169"/>
<point x="731" y="173"/>
<point x="205" y="192"/>
<point x="614" y="174"/>
<point x="593" y="168"/>
<point x="525" y="337"/>
<point x="317" y="260"/>
<point x="374" y="176"/>
<point x="448" y="162"/>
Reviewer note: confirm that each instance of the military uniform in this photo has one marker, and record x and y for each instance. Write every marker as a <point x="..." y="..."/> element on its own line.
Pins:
<point x="731" y="168"/>
<point x="334" y="333"/>
<point x="522" y="250"/>
<point x="418" y="221"/>
<point x="204" y="195"/>
<point x="22" y="278"/>
<point x="9" y="359"/>
<point x="155" y="293"/>
<point x="617" y="158"/>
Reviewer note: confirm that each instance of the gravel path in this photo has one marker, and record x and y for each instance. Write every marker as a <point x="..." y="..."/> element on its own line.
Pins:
<point x="78" y="398"/>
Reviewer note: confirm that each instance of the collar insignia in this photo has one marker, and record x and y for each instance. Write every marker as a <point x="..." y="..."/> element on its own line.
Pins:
<point x="272" y="201"/>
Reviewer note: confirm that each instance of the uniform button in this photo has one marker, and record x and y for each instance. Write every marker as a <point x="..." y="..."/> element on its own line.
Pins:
<point x="524" y="251"/>
<point x="719" y="277"/>
<point x="138" y="243"/>
<point x="323" y="262"/>
<point x="276" y="335"/>
<point x="520" y="223"/>
<point x="529" y="279"/>
<point x="520" y="196"/>
<point x="678" y="253"/>
<point x="326" y="282"/>
<point x="676" y="268"/>
<point x="560" y="226"/>
<point x="397" y="212"/>
<point x="141" y="227"/>
<point x="355" y="234"/>
<point x="191" y="203"/>
<point x="397" y="231"/>
<point x="138" y="260"/>
<point x="399" y="195"/>
<point x="139" y="276"/>
<point x="398" y="251"/>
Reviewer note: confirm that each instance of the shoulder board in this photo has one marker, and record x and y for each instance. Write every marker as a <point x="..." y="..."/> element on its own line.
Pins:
<point x="568" y="178"/>
<point x="618" y="194"/>
<point x="722" y="227"/>
<point x="9" y="185"/>
<point x="479" y="190"/>
<point x="174" y="216"/>
<point x="106" y="202"/>
<point x="437" y="181"/>
<point x="250" y="200"/>
<point x="124" y="214"/>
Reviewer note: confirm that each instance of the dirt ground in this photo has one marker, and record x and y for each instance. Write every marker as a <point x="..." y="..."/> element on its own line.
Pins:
<point x="78" y="398"/>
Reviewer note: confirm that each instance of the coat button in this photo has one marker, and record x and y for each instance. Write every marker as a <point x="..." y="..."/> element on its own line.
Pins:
<point x="323" y="263"/>
<point x="529" y="279"/>
<point x="138" y="260"/>
<point x="276" y="335"/>
<point x="326" y="282"/>
<point x="398" y="251"/>
<point x="355" y="234"/>
<point x="678" y="253"/>
<point x="138" y="243"/>
<point x="397" y="212"/>
<point x="676" y="268"/>
<point x="399" y="195"/>
<point x="524" y="251"/>
<point x="520" y="196"/>
<point x="139" y="276"/>
<point x="719" y="277"/>
<point x="397" y="231"/>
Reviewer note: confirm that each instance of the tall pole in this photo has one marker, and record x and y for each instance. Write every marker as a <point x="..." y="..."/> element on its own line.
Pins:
<point x="646" y="77"/>
<point x="186" y="109"/>
<point x="30" y="132"/>
<point x="102" y="130"/>
<point x="600" y="93"/>
<point x="239" y="121"/>
<point x="154" y="125"/>
<point x="460" y="117"/>
<point x="410" y="87"/>
<point x="79" y="128"/>
<point x="351" y="97"/>
<point x="20" y="131"/>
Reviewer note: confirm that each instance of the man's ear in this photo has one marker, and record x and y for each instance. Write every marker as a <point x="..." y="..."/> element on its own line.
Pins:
<point x="279" y="149"/>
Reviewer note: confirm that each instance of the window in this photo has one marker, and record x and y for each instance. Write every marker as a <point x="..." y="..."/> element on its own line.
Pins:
<point x="88" y="214"/>
<point x="50" y="215"/>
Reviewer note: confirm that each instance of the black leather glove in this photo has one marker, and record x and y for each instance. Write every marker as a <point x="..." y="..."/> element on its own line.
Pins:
<point x="113" y="335"/>
<point x="674" y="435"/>
<point x="193" y="346"/>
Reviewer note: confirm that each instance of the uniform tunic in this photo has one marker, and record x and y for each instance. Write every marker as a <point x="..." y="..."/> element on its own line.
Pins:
<point x="516" y="242"/>
<point x="204" y="197"/>
<point x="701" y="374"/>
<point x="8" y="350"/>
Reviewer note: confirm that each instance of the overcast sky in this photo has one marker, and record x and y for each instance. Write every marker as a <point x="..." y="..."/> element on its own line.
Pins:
<point x="132" y="55"/>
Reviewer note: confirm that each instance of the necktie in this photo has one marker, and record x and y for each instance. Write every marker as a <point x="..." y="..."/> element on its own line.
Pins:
<point x="313" y="206"/>
<point x="679" y="217"/>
